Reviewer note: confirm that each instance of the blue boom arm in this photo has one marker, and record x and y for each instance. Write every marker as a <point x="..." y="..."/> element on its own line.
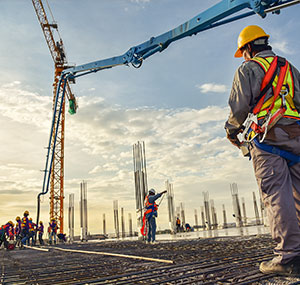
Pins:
<point x="203" y="21"/>
<point x="208" y="19"/>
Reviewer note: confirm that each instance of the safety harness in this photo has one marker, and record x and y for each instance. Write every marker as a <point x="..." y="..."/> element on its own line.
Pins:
<point x="266" y="113"/>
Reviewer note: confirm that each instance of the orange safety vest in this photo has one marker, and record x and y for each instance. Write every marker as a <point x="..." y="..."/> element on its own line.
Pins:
<point x="280" y="104"/>
<point x="150" y="207"/>
<point x="283" y="82"/>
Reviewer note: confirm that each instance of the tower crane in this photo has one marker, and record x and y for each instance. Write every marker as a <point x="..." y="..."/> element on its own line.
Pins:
<point x="57" y="52"/>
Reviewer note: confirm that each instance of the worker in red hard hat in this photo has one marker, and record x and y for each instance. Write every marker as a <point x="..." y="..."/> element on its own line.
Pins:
<point x="264" y="115"/>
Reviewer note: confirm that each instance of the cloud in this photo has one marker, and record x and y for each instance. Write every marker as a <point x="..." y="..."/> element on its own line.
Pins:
<point x="282" y="46"/>
<point x="212" y="87"/>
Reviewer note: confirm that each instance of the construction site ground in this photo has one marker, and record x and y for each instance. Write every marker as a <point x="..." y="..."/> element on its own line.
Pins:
<point x="221" y="260"/>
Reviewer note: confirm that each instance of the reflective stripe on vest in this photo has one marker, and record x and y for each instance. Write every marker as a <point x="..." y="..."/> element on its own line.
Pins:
<point x="288" y="84"/>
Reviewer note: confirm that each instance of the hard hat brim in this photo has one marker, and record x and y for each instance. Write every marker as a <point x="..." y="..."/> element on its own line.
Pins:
<point x="238" y="53"/>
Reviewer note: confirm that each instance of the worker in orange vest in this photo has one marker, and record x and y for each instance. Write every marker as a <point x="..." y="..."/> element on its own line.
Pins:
<point x="151" y="213"/>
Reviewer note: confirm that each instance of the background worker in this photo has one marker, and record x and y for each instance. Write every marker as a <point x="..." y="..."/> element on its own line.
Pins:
<point x="25" y="228"/>
<point x="178" y="225"/>
<point x="5" y="232"/>
<point x="18" y="231"/>
<point x="278" y="178"/>
<point x="53" y="231"/>
<point x="32" y="228"/>
<point x="151" y="213"/>
<point x="40" y="230"/>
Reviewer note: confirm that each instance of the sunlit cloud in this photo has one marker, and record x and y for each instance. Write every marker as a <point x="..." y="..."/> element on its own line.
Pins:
<point x="212" y="87"/>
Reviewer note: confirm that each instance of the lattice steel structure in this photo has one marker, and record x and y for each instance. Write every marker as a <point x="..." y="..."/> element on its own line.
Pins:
<point x="58" y="55"/>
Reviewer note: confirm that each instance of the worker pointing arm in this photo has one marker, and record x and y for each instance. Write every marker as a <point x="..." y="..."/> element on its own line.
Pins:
<point x="151" y="213"/>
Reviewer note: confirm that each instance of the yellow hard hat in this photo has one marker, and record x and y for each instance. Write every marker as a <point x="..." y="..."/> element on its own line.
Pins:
<point x="30" y="219"/>
<point x="247" y="35"/>
<point x="41" y="222"/>
<point x="18" y="218"/>
<point x="11" y="223"/>
<point x="26" y="213"/>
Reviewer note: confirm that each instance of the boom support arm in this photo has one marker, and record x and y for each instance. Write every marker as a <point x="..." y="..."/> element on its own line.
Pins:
<point x="206" y="20"/>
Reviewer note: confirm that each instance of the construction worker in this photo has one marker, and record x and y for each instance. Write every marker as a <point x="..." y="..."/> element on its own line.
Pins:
<point x="18" y="231"/>
<point x="53" y="231"/>
<point x="5" y="231"/>
<point x="178" y="225"/>
<point x="151" y="213"/>
<point x="270" y="93"/>
<point x="32" y="232"/>
<point x="40" y="230"/>
<point x="25" y="228"/>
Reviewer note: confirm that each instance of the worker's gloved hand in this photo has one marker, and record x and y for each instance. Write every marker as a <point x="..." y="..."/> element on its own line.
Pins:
<point x="233" y="137"/>
<point x="164" y="192"/>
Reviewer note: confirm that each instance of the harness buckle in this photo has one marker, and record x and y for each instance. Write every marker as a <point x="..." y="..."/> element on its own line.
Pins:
<point x="251" y="119"/>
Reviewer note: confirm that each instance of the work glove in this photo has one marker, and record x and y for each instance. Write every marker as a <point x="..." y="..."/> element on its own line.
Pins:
<point x="164" y="192"/>
<point x="233" y="137"/>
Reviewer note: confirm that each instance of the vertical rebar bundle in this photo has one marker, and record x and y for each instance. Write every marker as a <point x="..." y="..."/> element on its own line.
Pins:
<point x="224" y="218"/>
<point x="264" y="218"/>
<point x="244" y="212"/>
<point x="116" y="218"/>
<point x="236" y="204"/>
<point x="207" y="211"/>
<point x="203" y="218"/>
<point x="171" y="209"/>
<point x="182" y="214"/>
<point x="130" y="224"/>
<point x="122" y="222"/>
<point x="140" y="180"/>
<point x="104" y="225"/>
<point x="213" y="215"/>
<point x="83" y="211"/>
<point x="71" y="218"/>
<point x="196" y="219"/>
<point x="256" y="209"/>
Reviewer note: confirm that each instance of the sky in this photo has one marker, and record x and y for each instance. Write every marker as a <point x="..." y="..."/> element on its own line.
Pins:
<point x="176" y="103"/>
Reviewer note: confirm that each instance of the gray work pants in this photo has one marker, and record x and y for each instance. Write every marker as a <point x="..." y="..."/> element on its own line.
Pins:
<point x="280" y="189"/>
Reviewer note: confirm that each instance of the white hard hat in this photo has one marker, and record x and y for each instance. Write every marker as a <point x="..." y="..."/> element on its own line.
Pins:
<point x="152" y="191"/>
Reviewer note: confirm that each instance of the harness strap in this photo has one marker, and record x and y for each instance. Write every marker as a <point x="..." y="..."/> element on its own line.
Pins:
<point x="291" y="157"/>
<point x="278" y="62"/>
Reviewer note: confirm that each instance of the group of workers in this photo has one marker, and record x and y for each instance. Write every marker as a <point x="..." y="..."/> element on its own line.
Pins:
<point x="26" y="232"/>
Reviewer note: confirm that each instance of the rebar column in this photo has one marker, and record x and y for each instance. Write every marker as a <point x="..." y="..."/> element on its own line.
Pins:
<point x="140" y="181"/>
<point x="130" y="224"/>
<point x="196" y="219"/>
<point x="122" y="222"/>
<point x="104" y="225"/>
<point x="171" y="210"/>
<point x="182" y="213"/>
<point x="203" y="218"/>
<point x="207" y="211"/>
<point x="116" y="218"/>
<point x="83" y="211"/>
<point x="236" y="205"/>
<point x="71" y="218"/>
<point x="244" y="212"/>
<point x="256" y="209"/>
<point x="213" y="215"/>
<point x="224" y="218"/>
